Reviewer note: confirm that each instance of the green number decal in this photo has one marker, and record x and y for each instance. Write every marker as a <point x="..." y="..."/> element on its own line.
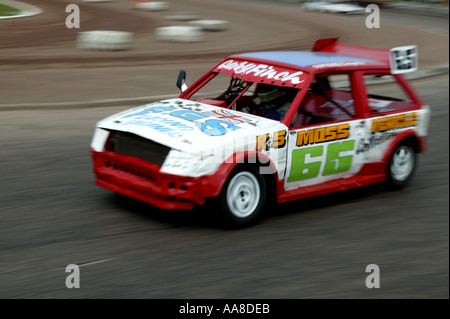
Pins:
<point x="335" y="164"/>
<point x="299" y="169"/>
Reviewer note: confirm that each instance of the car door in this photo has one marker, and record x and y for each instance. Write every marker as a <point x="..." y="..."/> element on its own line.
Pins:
<point x="391" y="109"/>
<point x="322" y="141"/>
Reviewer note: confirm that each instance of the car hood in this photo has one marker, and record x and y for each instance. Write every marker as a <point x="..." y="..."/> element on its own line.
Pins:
<point x="190" y="126"/>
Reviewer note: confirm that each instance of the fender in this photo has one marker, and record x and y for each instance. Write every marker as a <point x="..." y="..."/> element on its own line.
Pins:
<point x="400" y="137"/>
<point x="218" y="179"/>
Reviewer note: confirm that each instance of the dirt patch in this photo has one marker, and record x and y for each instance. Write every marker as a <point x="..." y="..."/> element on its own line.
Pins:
<point x="39" y="60"/>
<point x="49" y="29"/>
<point x="45" y="40"/>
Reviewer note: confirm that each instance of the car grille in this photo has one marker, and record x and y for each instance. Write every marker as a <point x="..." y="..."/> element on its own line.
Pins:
<point x="131" y="170"/>
<point x="133" y="145"/>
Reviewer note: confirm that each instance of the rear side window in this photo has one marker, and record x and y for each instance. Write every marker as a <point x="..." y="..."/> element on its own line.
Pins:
<point x="328" y="99"/>
<point x="385" y="94"/>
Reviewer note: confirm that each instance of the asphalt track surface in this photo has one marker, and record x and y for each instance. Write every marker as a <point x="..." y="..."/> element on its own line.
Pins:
<point x="52" y="215"/>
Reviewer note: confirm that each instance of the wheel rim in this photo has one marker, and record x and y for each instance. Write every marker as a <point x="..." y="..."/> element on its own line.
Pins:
<point x="402" y="163"/>
<point x="243" y="194"/>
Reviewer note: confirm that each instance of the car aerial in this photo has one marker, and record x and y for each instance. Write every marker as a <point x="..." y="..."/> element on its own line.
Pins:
<point x="272" y="126"/>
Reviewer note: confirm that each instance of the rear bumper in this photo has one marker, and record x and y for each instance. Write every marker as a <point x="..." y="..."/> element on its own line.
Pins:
<point x="143" y="181"/>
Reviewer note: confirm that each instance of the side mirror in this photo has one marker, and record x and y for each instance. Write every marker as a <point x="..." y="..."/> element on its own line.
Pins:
<point x="181" y="81"/>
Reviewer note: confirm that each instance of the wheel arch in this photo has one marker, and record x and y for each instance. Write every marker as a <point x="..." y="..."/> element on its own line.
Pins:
<point x="263" y="162"/>
<point x="399" y="175"/>
<point x="409" y="135"/>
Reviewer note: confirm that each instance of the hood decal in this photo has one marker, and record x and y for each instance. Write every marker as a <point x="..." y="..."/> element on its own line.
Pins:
<point x="176" y="116"/>
<point x="191" y="126"/>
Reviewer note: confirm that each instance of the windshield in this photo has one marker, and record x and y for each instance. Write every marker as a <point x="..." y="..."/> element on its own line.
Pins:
<point x="267" y="100"/>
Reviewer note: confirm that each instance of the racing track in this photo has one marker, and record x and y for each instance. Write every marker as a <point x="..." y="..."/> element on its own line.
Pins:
<point x="52" y="215"/>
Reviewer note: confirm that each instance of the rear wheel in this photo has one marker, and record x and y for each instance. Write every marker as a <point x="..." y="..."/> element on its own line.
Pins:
<point x="243" y="197"/>
<point x="402" y="164"/>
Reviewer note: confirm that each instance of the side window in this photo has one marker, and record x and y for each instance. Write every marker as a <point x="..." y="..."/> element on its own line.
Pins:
<point x="384" y="94"/>
<point x="328" y="99"/>
<point x="272" y="101"/>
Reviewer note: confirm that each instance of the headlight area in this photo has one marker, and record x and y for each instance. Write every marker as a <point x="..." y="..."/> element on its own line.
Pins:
<point x="99" y="139"/>
<point x="189" y="164"/>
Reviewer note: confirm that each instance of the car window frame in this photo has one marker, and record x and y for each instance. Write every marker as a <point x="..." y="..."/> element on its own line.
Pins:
<point x="400" y="81"/>
<point x="356" y="88"/>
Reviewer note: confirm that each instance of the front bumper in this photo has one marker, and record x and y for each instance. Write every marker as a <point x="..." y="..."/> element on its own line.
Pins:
<point x="143" y="181"/>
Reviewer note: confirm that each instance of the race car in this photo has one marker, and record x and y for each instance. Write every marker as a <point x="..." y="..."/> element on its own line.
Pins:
<point x="265" y="127"/>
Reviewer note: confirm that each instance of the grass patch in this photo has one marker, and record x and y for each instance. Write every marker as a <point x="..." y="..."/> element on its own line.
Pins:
<point x="6" y="11"/>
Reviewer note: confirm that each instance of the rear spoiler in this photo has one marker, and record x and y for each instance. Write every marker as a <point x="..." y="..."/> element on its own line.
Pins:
<point x="399" y="60"/>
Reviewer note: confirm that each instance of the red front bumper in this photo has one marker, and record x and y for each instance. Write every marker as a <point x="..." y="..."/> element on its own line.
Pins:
<point x="143" y="181"/>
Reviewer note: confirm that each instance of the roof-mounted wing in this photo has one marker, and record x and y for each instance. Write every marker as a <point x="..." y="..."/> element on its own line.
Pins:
<point x="399" y="60"/>
<point x="404" y="59"/>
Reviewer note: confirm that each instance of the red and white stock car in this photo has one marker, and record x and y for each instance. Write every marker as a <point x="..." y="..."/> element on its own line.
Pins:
<point x="264" y="126"/>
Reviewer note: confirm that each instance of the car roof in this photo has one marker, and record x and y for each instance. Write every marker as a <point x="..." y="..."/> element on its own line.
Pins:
<point x="303" y="59"/>
<point x="291" y="68"/>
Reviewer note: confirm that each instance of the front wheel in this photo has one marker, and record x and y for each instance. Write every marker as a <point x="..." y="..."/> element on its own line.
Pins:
<point x="401" y="165"/>
<point x="243" y="197"/>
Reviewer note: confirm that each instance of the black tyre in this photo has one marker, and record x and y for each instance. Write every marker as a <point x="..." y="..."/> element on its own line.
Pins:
<point x="402" y="164"/>
<point x="243" y="197"/>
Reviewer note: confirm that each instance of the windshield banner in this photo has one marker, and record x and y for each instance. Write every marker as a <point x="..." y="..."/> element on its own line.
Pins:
<point x="263" y="73"/>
